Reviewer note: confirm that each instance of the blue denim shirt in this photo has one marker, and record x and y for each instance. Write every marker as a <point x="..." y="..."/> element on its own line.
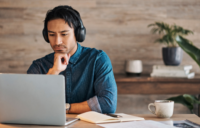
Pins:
<point x="88" y="76"/>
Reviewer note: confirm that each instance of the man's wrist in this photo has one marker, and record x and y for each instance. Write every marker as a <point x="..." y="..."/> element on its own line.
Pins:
<point x="77" y="108"/>
<point x="52" y="71"/>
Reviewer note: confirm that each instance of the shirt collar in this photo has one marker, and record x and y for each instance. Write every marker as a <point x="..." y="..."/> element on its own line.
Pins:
<point x="73" y="59"/>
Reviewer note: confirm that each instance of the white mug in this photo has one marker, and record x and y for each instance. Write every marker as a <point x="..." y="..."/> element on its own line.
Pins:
<point x="163" y="108"/>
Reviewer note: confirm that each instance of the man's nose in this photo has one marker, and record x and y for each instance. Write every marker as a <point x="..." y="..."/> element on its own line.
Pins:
<point x="58" y="40"/>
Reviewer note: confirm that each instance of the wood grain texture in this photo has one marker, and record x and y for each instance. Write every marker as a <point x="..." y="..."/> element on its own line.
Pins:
<point x="117" y="27"/>
<point x="158" y="88"/>
<point x="149" y="85"/>
<point x="148" y="79"/>
<point x="46" y="3"/>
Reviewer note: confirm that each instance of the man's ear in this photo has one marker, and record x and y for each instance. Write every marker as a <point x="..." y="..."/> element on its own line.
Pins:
<point x="45" y="35"/>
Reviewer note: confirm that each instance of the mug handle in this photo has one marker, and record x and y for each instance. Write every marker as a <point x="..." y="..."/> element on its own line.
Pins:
<point x="149" y="107"/>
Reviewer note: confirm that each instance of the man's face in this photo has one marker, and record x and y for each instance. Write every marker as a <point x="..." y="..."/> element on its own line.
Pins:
<point x="61" y="37"/>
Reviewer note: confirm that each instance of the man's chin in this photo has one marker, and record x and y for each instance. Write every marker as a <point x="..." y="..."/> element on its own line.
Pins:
<point x="60" y="51"/>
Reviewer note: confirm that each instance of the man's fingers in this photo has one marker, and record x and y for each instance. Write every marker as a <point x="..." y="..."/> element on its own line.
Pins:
<point x="67" y="58"/>
<point x="64" y="58"/>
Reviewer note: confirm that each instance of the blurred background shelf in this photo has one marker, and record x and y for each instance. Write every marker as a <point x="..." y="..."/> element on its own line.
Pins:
<point x="151" y="85"/>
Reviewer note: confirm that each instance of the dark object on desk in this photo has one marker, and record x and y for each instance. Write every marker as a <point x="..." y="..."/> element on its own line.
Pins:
<point x="113" y="115"/>
<point x="185" y="124"/>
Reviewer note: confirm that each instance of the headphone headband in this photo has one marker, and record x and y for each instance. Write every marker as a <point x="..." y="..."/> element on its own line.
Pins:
<point x="72" y="11"/>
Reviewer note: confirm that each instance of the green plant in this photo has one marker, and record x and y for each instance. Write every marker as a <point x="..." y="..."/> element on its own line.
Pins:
<point x="187" y="100"/>
<point x="173" y="36"/>
<point x="189" y="48"/>
<point x="168" y="33"/>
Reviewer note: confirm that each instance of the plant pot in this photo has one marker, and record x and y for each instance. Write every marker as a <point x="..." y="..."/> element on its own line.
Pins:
<point x="172" y="55"/>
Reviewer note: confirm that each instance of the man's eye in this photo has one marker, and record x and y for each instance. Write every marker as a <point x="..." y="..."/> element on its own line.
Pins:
<point x="51" y="34"/>
<point x="64" y="34"/>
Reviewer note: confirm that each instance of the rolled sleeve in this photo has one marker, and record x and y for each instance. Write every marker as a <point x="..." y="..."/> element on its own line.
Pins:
<point x="105" y="84"/>
<point x="94" y="104"/>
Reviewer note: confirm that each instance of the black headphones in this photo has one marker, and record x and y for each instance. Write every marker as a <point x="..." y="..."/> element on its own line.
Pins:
<point x="80" y="31"/>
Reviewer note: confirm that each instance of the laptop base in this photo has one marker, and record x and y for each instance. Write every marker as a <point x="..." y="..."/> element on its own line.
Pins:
<point x="70" y="120"/>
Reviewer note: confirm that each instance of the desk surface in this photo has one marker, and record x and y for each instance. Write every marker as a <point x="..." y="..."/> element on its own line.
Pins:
<point x="83" y="124"/>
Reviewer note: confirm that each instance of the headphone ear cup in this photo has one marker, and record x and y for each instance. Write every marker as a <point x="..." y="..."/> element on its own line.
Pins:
<point x="80" y="34"/>
<point x="45" y="35"/>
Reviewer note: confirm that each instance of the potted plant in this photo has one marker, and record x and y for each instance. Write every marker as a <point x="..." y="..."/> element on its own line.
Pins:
<point x="172" y="54"/>
<point x="188" y="100"/>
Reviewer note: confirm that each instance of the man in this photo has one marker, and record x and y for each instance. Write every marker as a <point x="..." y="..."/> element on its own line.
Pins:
<point x="90" y="83"/>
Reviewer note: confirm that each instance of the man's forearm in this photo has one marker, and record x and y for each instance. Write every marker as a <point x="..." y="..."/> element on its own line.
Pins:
<point x="79" y="107"/>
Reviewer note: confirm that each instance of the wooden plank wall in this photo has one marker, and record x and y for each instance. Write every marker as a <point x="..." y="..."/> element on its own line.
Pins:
<point x="119" y="27"/>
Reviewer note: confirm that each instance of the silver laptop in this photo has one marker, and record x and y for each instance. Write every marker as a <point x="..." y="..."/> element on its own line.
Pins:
<point x="33" y="99"/>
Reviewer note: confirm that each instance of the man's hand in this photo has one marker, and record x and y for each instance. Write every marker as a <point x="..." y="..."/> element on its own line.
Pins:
<point x="60" y="63"/>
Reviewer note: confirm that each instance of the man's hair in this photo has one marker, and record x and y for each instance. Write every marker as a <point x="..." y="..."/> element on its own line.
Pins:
<point x="65" y="13"/>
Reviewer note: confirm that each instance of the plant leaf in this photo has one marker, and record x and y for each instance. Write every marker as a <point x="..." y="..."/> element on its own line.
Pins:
<point x="154" y="30"/>
<point x="191" y="99"/>
<point x="190" y="49"/>
<point x="180" y="99"/>
<point x="151" y="25"/>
